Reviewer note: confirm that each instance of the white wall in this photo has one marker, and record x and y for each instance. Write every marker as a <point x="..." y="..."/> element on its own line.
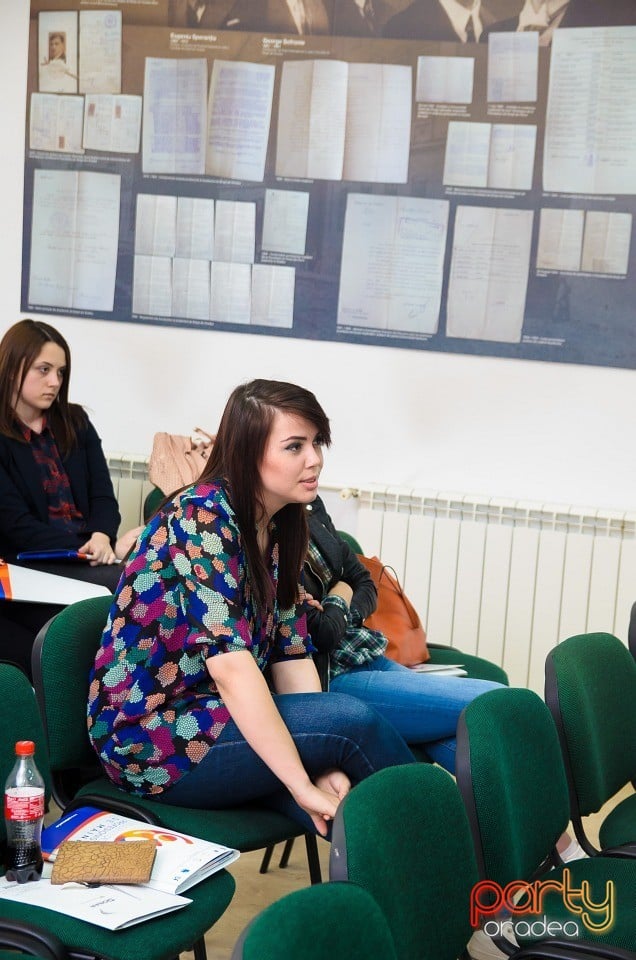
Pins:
<point x="545" y="432"/>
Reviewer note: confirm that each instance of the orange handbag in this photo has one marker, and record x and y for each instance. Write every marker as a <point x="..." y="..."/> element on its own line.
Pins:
<point x="395" y="616"/>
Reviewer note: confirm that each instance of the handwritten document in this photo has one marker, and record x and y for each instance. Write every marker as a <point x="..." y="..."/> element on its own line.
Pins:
<point x="590" y="140"/>
<point x="273" y="295"/>
<point x="498" y="156"/>
<point x="606" y="242"/>
<point x="285" y="221"/>
<point x="392" y="263"/>
<point x="513" y="66"/>
<point x="156" y="225"/>
<point x="74" y="239"/>
<point x="56" y="122"/>
<point x="239" y="114"/>
<point x="191" y="289"/>
<point x="235" y="231"/>
<point x="152" y="286"/>
<point x="174" y="116"/>
<point x="560" y="239"/>
<point x="445" y="79"/>
<point x="344" y="121"/>
<point x="489" y="273"/>
<point x="112" y="123"/>
<point x="100" y="51"/>
<point x="231" y="296"/>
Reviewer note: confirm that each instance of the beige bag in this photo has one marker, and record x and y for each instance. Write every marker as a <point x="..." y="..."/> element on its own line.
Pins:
<point x="177" y="460"/>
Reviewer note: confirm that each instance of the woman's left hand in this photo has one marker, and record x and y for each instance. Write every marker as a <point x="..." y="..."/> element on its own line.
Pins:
<point x="99" y="549"/>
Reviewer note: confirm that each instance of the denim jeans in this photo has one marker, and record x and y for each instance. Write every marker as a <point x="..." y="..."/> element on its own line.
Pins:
<point x="423" y="707"/>
<point x="330" y="730"/>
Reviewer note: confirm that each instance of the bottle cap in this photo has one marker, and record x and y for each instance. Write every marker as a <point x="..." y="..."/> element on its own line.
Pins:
<point x="24" y="748"/>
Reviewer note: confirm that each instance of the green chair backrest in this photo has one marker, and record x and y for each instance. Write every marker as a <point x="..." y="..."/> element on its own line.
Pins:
<point x="153" y="500"/>
<point x="63" y="655"/>
<point x="330" y="921"/>
<point x="350" y="541"/>
<point x="510" y="772"/>
<point x="403" y="835"/>
<point x="19" y="720"/>
<point x="591" y="692"/>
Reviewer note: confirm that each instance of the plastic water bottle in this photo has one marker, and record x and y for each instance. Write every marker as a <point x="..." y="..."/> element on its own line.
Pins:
<point x="23" y="814"/>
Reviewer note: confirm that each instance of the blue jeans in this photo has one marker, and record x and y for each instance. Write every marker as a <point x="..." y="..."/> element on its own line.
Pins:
<point x="423" y="707"/>
<point x="330" y="730"/>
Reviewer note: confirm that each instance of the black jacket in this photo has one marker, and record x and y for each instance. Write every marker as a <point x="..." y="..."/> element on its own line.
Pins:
<point x="328" y="628"/>
<point x="23" y="509"/>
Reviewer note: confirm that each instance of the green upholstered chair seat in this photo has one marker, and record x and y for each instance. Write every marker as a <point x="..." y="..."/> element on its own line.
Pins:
<point x="246" y="827"/>
<point x="403" y="835"/>
<point x="162" y="938"/>
<point x="619" y="824"/>
<point x="476" y="667"/>
<point x="590" y="689"/>
<point x="338" y="921"/>
<point x="597" y="871"/>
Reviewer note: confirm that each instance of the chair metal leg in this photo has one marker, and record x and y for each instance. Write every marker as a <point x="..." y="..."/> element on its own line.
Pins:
<point x="313" y="860"/>
<point x="285" y="855"/>
<point x="200" y="952"/>
<point x="267" y="856"/>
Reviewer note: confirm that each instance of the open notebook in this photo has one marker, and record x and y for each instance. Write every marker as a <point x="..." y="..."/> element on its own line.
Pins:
<point x="35" y="586"/>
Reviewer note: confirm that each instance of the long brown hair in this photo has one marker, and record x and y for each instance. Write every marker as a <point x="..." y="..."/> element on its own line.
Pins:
<point x="19" y="349"/>
<point x="237" y="455"/>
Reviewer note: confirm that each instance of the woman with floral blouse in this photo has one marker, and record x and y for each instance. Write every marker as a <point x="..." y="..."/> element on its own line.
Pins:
<point x="179" y="708"/>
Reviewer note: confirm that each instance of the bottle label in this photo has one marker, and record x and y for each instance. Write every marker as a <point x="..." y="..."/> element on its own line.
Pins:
<point x="23" y="803"/>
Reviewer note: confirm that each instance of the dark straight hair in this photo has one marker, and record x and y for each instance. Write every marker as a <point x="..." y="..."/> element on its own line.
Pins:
<point x="237" y="456"/>
<point x="19" y="349"/>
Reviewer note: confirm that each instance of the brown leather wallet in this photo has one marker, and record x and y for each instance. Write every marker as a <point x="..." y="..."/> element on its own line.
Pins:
<point x="97" y="861"/>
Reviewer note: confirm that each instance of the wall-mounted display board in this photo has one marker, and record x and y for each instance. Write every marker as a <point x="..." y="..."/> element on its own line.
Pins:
<point x="440" y="174"/>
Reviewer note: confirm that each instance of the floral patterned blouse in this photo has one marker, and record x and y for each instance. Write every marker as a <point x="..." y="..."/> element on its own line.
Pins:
<point x="153" y="709"/>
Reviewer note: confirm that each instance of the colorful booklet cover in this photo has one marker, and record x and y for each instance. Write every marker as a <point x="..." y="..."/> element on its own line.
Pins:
<point x="181" y="860"/>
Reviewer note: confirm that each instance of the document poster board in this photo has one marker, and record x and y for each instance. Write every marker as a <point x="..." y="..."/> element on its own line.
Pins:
<point x="436" y="175"/>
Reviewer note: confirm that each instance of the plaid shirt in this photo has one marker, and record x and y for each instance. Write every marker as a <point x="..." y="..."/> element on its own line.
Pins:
<point x="359" y="644"/>
<point x="55" y="483"/>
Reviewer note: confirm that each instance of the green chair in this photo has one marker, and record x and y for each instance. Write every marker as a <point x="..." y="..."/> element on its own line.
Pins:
<point x="153" y="500"/>
<point x="631" y="631"/>
<point x="403" y="835"/>
<point x="590" y="689"/>
<point x="510" y="773"/>
<point x="25" y="940"/>
<point x="63" y="655"/>
<point x="338" y="921"/>
<point x="162" y="938"/>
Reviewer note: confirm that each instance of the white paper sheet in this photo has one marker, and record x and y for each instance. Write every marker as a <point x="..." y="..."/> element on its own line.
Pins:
<point x="191" y="289"/>
<point x="231" y="297"/>
<point x="467" y="154"/>
<point x="590" y="140"/>
<point x="606" y="242"/>
<point x="74" y="239"/>
<point x="445" y="79"/>
<point x="174" y="116"/>
<point x="112" y="123"/>
<point x="392" y="263"/>
<point x="285" y="221"/>
<point x="239" y="114"/>
<point x="235" y="231"/>
<point x="489" y="273"/>
<point x="100" y="51"/>
<point x="55" y="122"/>
<point x="156" y="225"/>
<point x="497" y="156"/>
<point x="152" y="286"/>
<point x="513" y="66"/>
<point x="273" y="295"/>
<point x="378" y="127"/>
<point x="57" y="51"/>
<point x="560" y="239"/>
<point x="195" y="228"/>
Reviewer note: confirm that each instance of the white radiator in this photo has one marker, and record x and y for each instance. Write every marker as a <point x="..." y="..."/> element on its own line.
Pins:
<point x="504" y="579"/>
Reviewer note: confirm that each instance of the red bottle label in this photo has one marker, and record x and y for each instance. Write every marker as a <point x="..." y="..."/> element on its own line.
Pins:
<point x="22" y="803"/>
